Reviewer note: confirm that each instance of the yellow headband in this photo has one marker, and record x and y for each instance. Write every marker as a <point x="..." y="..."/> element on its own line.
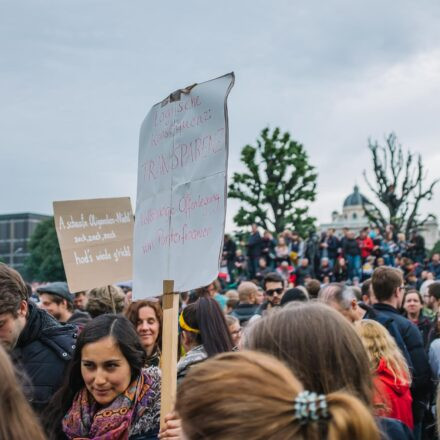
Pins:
<point x="185" y="326"/>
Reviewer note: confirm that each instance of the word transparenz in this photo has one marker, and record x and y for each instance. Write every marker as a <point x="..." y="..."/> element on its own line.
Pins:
<point x="184" y="154"/>
<point x="86" y="257"/>
<point x="186" y="205"/>
<point x="174" y="237"/>
<point x="94" y="221"/>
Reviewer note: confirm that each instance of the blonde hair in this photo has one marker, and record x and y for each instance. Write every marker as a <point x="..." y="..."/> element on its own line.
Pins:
<point x="17" y="420"/>
<point x="251" y="395"/>
<point x="380" y="345"/>
<point x="232" y="294"/>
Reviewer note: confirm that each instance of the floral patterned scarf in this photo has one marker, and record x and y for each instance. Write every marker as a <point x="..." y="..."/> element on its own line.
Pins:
<point x="86" y="420"/>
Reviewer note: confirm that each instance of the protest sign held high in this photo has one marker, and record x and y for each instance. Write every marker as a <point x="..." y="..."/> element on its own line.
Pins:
<point x="96" y="239"/>
<point x="181" y="205"/>
<point x="181" y="190"/>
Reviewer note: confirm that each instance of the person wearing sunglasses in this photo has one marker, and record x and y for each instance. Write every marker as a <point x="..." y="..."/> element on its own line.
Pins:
<point x="274" y="288"/>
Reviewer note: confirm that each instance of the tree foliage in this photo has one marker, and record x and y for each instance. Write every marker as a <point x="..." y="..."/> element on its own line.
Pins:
<point x="45" y="262"/>
<point x="277" y="185"/>
<point x="398" y="185"/>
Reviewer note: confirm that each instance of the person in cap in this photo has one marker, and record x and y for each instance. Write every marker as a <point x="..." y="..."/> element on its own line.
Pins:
<point x="39" y="346"/>
<point x="56" y="299"/>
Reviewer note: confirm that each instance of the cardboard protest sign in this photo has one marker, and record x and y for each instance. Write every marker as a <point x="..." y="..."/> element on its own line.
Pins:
<point x="181" y="189"/>
<point x="96" y="239"/>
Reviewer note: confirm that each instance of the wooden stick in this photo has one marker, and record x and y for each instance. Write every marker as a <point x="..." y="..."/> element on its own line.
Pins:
<point x="170" y="304"/>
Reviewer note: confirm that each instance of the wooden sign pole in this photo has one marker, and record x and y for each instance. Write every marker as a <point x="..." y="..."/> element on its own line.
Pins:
<point x="170" y="305"/>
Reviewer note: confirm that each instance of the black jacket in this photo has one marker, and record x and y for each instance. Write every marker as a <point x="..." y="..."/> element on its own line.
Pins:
<point x="255" y="245"/>
<point x="79" y="318"/>
<point x="229" y="249"/>
<point x="42" y="352"/>
<point x="351" y="247"/>
<point x="243" y="312"/>
<point x="392" y="429"/>
<point x="389" y="324"/>
<point x="413" y="340"/>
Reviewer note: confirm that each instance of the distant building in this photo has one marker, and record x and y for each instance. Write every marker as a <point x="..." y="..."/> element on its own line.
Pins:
<point x="353" y="217"/>
<point x="15" y="234"/>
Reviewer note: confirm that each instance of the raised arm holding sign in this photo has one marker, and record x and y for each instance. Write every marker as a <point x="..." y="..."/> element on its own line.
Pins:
<point x="181" y="203"/>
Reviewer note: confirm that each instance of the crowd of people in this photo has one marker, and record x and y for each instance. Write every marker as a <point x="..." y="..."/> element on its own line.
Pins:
<point x="283" y="345"/>
<point x="349" y="258"/>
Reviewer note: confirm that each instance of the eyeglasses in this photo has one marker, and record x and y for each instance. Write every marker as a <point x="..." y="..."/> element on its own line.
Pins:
<point x="278" y="291"/>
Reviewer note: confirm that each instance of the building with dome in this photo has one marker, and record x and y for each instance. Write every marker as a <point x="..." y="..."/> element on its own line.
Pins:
<point x="353" y="217"/>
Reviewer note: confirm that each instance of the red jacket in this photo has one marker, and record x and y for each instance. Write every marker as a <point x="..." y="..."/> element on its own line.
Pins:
<point x="366" y="246"/>
<point x="393" y="397"/>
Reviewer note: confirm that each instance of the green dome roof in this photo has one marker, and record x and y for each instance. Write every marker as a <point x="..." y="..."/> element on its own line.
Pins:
<point x="355" y="198"/>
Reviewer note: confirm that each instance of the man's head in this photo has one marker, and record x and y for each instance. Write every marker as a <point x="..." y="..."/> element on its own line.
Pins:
<point x="273" y="285"/>
<point x="13" y="306"/>
<point x="262" y="263"/>
<point x="254" y="228"/>
<point x="80" y="300"/>
<point x="57" y="300"/>
<point x="435" y="258"/>
<point x="284" y="266"/>
<point x="367" y="292"/>
<point x="434" y="296"/>
<point x="247" y="292"/>
<point x="313" y="287"/>
<point x="388" y="286"/>
<point x="304" y="262"/>
<point x="342" y="299"/>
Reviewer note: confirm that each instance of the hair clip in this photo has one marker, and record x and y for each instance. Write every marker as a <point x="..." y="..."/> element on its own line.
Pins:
<point x="310" y="407"/>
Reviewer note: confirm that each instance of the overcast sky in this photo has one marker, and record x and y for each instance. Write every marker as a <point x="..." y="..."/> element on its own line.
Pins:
<point x="77" y="78"/>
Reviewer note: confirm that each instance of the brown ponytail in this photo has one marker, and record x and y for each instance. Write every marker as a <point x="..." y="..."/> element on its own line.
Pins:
<point x="349" y="418"/>
<point x="251" y="395"/>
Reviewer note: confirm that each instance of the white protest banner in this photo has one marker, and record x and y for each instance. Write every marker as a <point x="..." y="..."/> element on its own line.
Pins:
<point x="181" y="190"/>
<point x="96" y="238"/>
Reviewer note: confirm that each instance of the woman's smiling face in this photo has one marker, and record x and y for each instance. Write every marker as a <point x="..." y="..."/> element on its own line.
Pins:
<point x="105" y="370"/>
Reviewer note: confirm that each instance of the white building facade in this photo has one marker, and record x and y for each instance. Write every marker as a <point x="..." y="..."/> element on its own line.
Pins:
<point x="353" y="217"/>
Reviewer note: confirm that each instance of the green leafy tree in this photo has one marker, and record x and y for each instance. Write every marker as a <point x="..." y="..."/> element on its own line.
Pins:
<point x="45" y="262"/>
<point x="398" y="185"/>
<point x="277" y="186"/>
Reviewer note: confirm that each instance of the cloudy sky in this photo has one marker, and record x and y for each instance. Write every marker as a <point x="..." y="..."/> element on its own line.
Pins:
<point x="77" y="78"/>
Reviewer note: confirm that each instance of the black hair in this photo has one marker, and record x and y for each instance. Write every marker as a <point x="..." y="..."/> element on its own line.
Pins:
<point x="365" y="288"/>
<point x="293" y="294"/>
<point x="122" y="331"/>
<point x="206" y="316"/>
<point x="272" y="277"/>
<point x="434" y="290"/>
